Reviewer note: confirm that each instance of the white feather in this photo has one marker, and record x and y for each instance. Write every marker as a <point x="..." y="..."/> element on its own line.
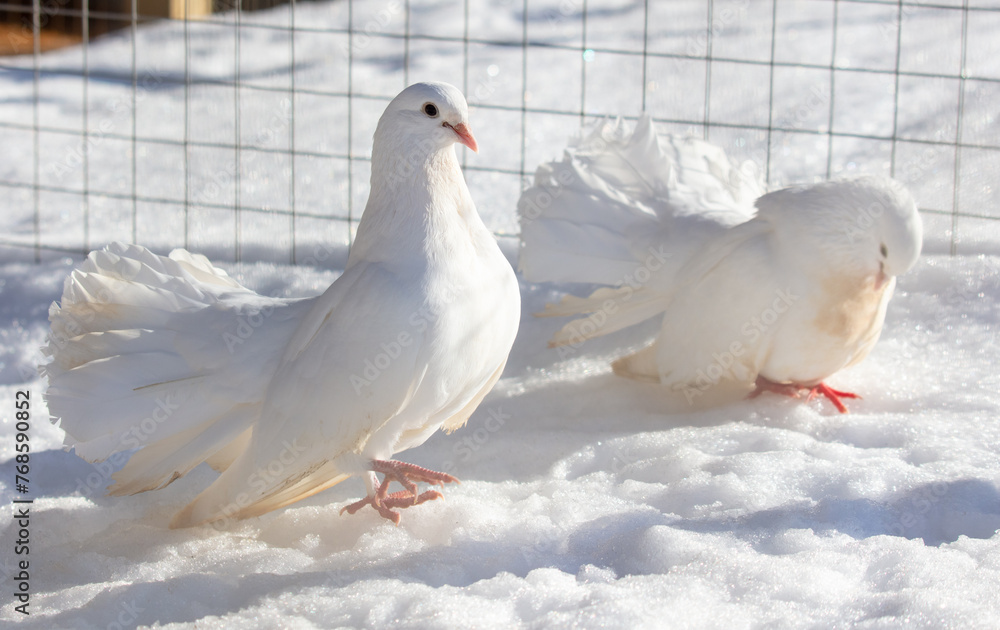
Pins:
<point x="145" y="348"/>
<point x="408" y="340"/>
<point x="791" y="290"/>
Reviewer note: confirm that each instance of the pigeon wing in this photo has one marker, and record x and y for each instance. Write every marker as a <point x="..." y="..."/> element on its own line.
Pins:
<point x="352" y="367"/>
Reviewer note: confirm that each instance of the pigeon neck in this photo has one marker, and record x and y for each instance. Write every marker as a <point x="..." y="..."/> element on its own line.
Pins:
<point x="401" y="163"/>
<point x="413" y="174"/>
<point x="419" y="191"/>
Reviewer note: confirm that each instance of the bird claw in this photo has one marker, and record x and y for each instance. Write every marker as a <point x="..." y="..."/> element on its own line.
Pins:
<point x="397" y="500"/>
<point x="792" y="390"/>
<point x="406" y="474"/>
<point x="833" y="395"/>
<point x="764" y="385"/>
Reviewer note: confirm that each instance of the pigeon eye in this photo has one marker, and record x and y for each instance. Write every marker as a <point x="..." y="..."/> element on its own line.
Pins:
<point x="431" y="110"/>
<point x="884" y="250"/>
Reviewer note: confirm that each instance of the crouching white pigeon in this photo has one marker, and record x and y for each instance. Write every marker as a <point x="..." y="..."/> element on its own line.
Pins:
<point x="170" y="356"/>
<point x="759" y="292"/>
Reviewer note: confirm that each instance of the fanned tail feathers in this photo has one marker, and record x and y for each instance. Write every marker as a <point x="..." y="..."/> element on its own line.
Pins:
<point x="610" y="310"/>
<point x="614" y="209"/>
<point x="138" y="359"/>
<point x="579" y="219"/>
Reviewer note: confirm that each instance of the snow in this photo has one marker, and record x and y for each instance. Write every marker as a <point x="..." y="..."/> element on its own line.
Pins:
<point x="586" y="499"/>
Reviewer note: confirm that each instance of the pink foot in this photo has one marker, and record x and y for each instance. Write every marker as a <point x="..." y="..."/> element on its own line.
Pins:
<point x="833" y="395"/>
<point x="407" y="475"/>
<point x="401" y="499"/>
<point x="792" y="390"/>
<point x="764" y="385"/>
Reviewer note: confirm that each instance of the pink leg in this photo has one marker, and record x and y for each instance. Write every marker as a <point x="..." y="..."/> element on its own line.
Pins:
<point x="792" y="390"/>
<point x="833" y="395"/>
<point x="407" y="475"/>
<point x="401" y="499"/>
<point x="765" y="385"/>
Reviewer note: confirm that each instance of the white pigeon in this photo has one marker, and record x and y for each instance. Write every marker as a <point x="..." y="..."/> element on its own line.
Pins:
<point x="758" y="292"/>
<point x="170" y="356"/>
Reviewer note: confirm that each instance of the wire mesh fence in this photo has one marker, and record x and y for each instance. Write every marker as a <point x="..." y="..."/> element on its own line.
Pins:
<point x="246" y="134"/>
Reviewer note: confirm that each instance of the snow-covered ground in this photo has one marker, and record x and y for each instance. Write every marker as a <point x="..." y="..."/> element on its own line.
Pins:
<point x="586" y="500"/>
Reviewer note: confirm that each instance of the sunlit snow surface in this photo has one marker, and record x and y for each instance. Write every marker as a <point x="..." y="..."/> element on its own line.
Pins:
<point x="586" y="499"/>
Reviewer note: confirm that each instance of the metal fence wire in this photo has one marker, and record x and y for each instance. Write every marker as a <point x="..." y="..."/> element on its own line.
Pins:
<point x="246" y="134"/>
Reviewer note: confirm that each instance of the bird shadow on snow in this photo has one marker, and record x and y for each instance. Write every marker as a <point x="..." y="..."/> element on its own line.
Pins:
<point x="552" y="403"/>
<point x="936" y="513"/>
<point x="58" y="473"/>
<point x="212" y="594"/>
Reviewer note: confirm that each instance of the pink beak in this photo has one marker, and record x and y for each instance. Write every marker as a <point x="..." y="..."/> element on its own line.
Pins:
<point x="464" y="135"/>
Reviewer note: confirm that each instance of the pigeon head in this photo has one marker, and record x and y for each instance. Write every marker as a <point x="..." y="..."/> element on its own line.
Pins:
<point x="899" y="230"/>
<point x="425" y="118"/>
<point x="866" y="225"/>
<point x="883" y="229"/>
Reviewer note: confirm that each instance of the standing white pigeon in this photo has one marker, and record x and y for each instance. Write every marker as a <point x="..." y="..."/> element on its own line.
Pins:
<point x="170" y="356"/>
<point x="775" y="293"/>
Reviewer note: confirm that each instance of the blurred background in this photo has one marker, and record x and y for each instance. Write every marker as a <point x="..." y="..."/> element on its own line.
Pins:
<point x="242" y="130"/>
